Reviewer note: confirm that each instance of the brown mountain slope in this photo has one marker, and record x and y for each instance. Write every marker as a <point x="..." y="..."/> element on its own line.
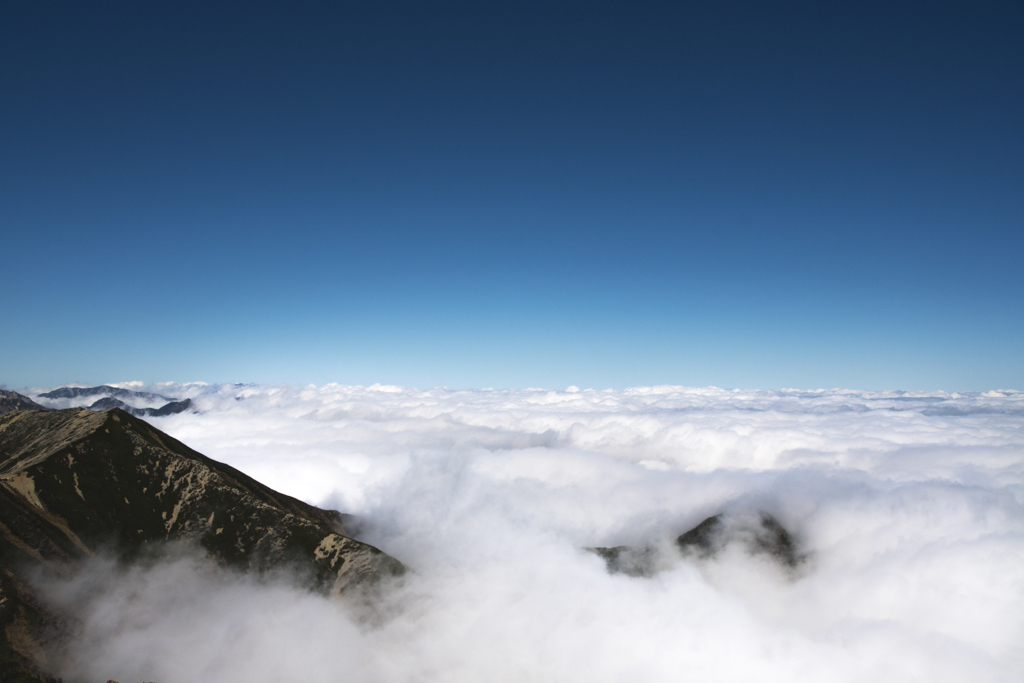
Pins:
<point x="12" y="400"/>
<point x="74" y="481"/>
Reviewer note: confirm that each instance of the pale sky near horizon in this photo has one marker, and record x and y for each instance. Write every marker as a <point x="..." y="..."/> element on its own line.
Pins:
<point x="756" y="195"/>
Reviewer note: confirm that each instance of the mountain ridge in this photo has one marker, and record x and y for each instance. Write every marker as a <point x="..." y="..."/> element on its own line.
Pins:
<point x="170" y="408"/>
<point x="74" y="482"/>
<point x="12" y="400"/>
<point x="117" y="392"/>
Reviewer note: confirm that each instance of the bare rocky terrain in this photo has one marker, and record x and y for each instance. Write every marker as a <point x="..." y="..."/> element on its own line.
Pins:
<point x="12" y="400"/>
<point x="759" y="534"/>
<point x="76" y="482"/>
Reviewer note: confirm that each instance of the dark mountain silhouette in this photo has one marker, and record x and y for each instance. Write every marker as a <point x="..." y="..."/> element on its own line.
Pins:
<point x="75" y="481"/>
<point x="760" y="534"/>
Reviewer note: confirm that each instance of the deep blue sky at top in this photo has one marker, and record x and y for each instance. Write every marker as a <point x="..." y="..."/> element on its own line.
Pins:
<point x="515" y="194"/>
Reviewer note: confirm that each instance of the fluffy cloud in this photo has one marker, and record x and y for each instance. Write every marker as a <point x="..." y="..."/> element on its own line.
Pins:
<point x="909" y="505"/>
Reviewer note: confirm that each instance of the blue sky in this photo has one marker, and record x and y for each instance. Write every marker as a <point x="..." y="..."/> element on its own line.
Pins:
<point x="754" y="195"/>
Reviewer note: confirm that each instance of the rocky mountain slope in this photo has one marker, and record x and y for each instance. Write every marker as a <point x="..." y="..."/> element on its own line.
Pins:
<point x="75" y="481"/>
<point x="758" y="533"/>
<point x="11" y="400"/>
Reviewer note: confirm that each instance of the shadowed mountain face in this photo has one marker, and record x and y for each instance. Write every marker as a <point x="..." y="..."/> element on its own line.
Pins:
<point x="760" y="534"/>
<point x="11" y="400"/>
<point x="75" y="481"/>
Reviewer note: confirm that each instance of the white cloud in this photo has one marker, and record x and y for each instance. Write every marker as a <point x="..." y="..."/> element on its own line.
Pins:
<point x="911" y="506"/>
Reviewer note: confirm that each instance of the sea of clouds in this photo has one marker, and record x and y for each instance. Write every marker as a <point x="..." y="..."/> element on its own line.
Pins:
<point x="909" y="506"/>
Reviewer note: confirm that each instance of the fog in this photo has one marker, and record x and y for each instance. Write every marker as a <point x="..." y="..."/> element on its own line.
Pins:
<point x="909" y="508"/>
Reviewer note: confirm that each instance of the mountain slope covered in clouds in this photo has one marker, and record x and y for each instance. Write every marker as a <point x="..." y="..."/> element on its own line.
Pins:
<point x="170" y="408"/>
<point x="905" y="510"/>
<point x="863" y="536"/>
<point x="76" y="482"/>
<point x="104" y="390"/>
<point x="138" y="403"/>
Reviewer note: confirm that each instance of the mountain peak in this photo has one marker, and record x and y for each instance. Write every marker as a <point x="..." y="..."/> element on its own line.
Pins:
<point x="74" y="481"/>
<point x="12" y="400"/>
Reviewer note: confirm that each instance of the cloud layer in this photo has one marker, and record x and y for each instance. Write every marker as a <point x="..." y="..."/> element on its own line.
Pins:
<point x="910" y="507"/>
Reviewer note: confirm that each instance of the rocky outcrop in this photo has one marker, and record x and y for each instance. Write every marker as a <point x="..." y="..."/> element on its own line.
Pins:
<point x="73" y="482"/>
<point x="630" y="560"/>
<point x="11" y="401"/>
<point x="759" y="534"/>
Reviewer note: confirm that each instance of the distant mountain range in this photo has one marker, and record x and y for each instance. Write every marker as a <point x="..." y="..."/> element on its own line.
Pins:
<point x="116" y="397"/>
<point x="105" y="390"/>
<point x="168" y="409"/>
<point x="75" y="481"/>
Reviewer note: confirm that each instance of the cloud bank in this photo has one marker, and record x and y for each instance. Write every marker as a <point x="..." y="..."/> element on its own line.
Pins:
<point x="909" y="506"/>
